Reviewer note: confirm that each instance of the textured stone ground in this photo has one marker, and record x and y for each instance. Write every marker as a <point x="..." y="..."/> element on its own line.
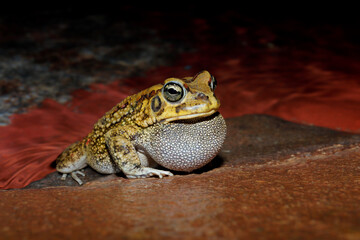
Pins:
<point x="272" y="180"/>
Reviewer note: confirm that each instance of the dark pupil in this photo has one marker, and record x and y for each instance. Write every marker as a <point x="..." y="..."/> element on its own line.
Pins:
<point x="173" y="91"/>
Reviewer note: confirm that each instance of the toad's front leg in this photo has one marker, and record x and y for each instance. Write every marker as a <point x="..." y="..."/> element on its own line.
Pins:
<point x="126" y="158"/>
<point x="71" y="160"/>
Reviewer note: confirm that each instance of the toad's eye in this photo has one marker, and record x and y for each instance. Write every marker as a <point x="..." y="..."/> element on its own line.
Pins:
<point x="173" y="92"/>
<point x="212" y="83"/>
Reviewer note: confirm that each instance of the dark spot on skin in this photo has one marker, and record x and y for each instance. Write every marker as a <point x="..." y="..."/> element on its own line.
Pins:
<point x="177" y="109"/>
<point x="180" y="107"/>
<point x="134" y="137"/>
<point x="156" y="104"/>
<point x="186" y="87"/>
<point x="124" y="105"/>
<point x="146" y="96"/>
<point x="123" y="164"/>
<point x="141" y="98"/>
<point x="161" y="111"/>
<point x="201" y="96"/>
<point x="151" y="94"/>
<point x="123" y="149"/>
<point x="145" y="116"/>
<point x="139" y="106"/>
<point x="135" y="166"/>
<point x="130" y="165"/>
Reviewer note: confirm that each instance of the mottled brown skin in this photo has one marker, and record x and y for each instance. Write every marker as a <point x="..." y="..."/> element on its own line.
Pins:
<point x="109" y="147"/>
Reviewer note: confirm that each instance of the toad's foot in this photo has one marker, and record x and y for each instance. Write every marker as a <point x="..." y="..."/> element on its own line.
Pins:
<point x="145" y="172"/>
<point x="74" y="176"/>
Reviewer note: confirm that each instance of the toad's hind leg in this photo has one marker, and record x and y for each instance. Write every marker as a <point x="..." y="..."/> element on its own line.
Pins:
<point x="126" y="157"/>
<point x="71" y="161"/>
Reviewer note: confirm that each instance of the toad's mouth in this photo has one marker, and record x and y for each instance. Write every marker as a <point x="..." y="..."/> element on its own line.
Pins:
<point x="190" y="116"/>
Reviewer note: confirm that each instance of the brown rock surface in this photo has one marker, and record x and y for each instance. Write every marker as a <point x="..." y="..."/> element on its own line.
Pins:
<point x="272" y="180"/>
